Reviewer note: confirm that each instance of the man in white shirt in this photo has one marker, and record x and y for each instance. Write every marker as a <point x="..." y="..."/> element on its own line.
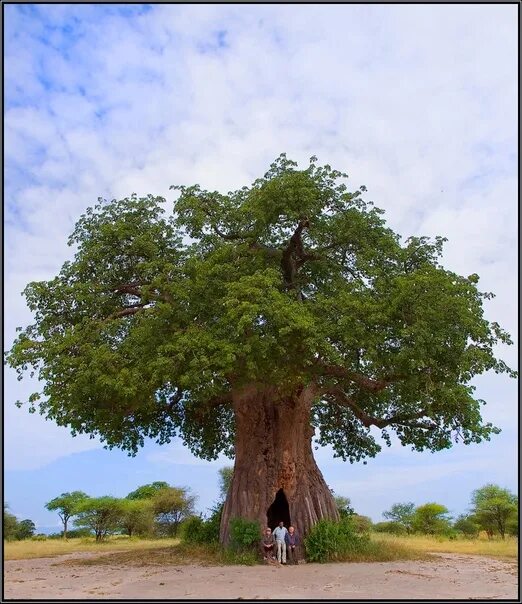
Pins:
<point x="280" y="533"/>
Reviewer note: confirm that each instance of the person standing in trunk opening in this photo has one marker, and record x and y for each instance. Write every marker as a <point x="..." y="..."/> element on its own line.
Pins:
<point x="279" y="535"/>
<point x="292" y="541"/>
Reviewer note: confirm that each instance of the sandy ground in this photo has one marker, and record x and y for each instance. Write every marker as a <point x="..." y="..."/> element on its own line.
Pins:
<point x="448" y="576"/>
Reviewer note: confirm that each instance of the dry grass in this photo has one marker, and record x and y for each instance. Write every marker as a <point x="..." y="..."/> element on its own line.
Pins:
<point x="176" y="554"/>
<point x="496" y="548"/>
<point x="123" y="550"/>
<point x="19" y="550"/>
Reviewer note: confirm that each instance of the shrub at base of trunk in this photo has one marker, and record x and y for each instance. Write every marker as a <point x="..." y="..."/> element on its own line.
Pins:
<point x="330" y="541"/>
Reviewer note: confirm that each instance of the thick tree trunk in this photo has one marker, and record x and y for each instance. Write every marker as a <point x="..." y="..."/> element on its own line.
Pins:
<point x="275" y="475"/>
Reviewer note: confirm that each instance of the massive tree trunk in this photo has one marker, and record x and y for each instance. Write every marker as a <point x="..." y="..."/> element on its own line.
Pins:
<point x="275" y="475"/>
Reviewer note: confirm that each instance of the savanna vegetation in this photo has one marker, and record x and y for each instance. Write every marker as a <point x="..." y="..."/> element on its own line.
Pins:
<point x="289" y="303"/>
<point x="160" y="518"/>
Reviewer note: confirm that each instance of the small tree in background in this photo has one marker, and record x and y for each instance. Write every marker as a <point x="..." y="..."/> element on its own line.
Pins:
<point x="493" y="507"/>
<point x="10" y="524"/>
<point x="25" y="529"/>
<point x="147" y="491"/>
<point x="431" y="519"/>
<point x="65" y="504"/>
<point x="100" y="514"/>
<point x="171" y="505"/>
<point x="344" y="506"/>
<point x="394" y="528"/>
<point x="401" y="513"/>
<point x="467" y="525"/>
<point x="137" y="517"/>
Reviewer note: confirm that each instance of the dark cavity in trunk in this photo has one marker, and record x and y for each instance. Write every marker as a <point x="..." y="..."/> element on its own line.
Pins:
<point x="278" y="511"/>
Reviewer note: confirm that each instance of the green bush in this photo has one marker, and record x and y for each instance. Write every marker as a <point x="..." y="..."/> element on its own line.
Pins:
<point x="361" y="524"/>
<point x="191" y="530"/>
<point x="244" y="534"/>
<point x="212" y="524"/>
<point x="391" y="527"/>
<point x="72" y="534"/>
<point x="39" y="537"/>
<point x="329" y="541"/>
<point x="197" y="530"/>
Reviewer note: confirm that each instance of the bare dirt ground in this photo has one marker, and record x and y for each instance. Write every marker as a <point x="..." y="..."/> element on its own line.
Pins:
<point x="447" y="576"/>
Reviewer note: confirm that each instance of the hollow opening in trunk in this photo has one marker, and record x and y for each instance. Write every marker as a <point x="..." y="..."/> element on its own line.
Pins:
<point x="278" y="511"/>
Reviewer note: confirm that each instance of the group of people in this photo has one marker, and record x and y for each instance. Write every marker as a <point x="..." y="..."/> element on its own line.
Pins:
<point x="277" y="544"/>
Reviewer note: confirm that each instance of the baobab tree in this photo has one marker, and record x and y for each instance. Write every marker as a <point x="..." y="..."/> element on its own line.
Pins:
<point x="253" y="323"/>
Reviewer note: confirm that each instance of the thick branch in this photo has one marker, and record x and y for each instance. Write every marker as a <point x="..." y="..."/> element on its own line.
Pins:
<point x="130" y="310"/>
<point x="293" y="254"/>
<point x="367" y="420"/>
<point x="134" y="289"/>
<point x="174" y="400"/>
<point x="361" y="380"/>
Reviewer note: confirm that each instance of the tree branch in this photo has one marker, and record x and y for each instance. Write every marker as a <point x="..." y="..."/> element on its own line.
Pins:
<point x="293" y="254"/>
<point x="129" y="310"/>
<point x="367" y="383"/>
<point x="174" y="400"/>
<point x="367" y="420"/>
<point x="134" y="289"/>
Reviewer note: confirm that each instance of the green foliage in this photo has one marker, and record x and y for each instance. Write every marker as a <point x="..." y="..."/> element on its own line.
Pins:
<point x="361" y="524"/>
<point x="171" y="505"/>
<point x="77" y="533"/>
<point x="10" y="525"/>
<point x="244" y="534"/>
<point x="344" y="506"/>
<point x="66" y="505"/>
<point x="330" y="541"/>
<point x="212" y="524"/>
<point x="392" y="527"/>
<point x="402" y="513"/>
<point x="198" y="530"/>
<point x="431" y="519"/>
<point x="25" y="529"/>
<point x="512" y="525"/>
<point x="493" y="508"/>
<point x="467" y="525"/>
<point x="191" y="529"/>
<point x="146" y="331"/>
<point x="147" y="491"/>
<point x="225" y="479"/>
<point x="102" y="515"/>
<point x="39" y="537"/>
<point x="137" y="517"/>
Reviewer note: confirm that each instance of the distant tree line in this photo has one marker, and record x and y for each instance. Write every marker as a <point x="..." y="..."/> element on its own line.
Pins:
<point x="160" y="510"/>
<point x="493" y="510"/>
<point x="14" y="529"/>
<point x="152" y="510"/>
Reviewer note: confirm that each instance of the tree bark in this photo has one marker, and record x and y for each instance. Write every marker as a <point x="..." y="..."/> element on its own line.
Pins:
<point x="273" y="454"/>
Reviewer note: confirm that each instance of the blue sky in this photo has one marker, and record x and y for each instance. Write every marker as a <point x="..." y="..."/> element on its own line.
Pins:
<point x="419" y="103"/>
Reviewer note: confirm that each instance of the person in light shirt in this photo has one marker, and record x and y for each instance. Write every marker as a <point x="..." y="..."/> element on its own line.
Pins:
<point x="280" y="533"/>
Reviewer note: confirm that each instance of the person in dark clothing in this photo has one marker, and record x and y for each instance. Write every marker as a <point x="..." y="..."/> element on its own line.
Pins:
<point x="292" y="544"/>
<point x="267" y="545"/>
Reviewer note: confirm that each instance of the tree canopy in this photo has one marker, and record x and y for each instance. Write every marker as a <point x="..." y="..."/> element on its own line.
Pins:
<point x="293" y="280"/>
<point x="147" y="491"/>
<point x="493" y="508"/>
<point x="66" y="505"/>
